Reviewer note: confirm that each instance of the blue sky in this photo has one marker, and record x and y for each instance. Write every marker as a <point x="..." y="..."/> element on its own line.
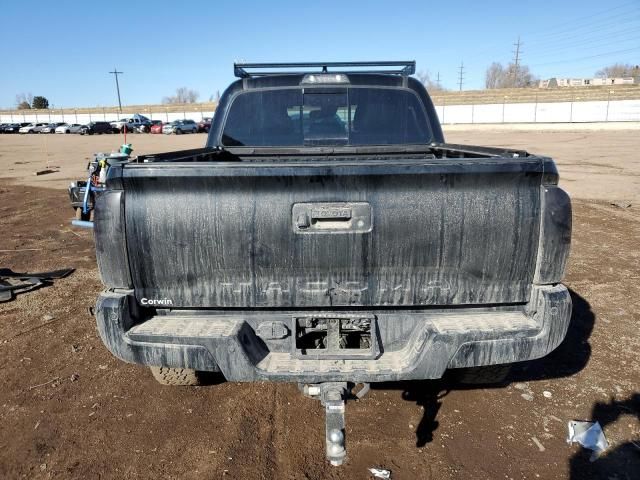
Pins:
<point x="63" y="49"/>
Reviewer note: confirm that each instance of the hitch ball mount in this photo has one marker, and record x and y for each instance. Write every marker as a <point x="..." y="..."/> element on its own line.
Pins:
<point x="333" y="396"/>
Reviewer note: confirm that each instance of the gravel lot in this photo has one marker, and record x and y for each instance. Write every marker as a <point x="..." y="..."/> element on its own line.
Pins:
<point x="68" y="409"/>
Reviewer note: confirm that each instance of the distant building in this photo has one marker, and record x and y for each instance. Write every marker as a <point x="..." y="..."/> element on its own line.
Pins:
<point x="585" y="82"/>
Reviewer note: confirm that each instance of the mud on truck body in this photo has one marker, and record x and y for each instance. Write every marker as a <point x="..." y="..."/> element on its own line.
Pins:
<point x="328" y="235"/>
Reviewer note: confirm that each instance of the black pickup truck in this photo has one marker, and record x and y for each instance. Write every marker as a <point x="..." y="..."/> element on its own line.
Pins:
<point x="328" y="235"/>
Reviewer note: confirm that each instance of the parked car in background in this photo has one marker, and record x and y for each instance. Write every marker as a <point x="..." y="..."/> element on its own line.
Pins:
<point x="39" y="127"/>
<point x="180" y="126"/>
<point x="131" y="124"/>
<point x="5" y="126"/>
<point x="204" y="125"/>
<point x="146" y="127"/>
<point x="14" y="127"/>
<point x="157" y="126"/>
<point x="51" y="128"/>
<point x="97" y="127"/>
<point x="69" y="128"/>
<point x="31" y="128"/>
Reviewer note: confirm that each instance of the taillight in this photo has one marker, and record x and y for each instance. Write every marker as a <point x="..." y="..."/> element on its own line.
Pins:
<point x="555" y="235"/>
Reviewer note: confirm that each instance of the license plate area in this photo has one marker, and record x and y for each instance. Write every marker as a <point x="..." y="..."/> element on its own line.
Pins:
<point x="335" y="336"/>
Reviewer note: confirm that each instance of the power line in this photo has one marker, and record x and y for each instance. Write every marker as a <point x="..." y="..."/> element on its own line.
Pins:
<point x="587" y="57"/>
<point x="597" y="41"/>
<point x="595" y="36"/>
<point x="592" y="29"/>
<point x="116" y="73"/>
<point x="461" y="75"/>
<point x="541" y="35"/>
<point x="603" y="23"/>
<point x="562" y="47"/>
<point x="601" y="14"/>
<point x="599" y="28"/>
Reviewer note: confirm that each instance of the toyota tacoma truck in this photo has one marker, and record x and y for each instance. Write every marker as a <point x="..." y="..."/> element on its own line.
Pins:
<point x="328" y="235"/>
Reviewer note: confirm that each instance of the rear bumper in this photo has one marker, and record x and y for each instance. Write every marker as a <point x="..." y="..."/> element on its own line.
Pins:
<point x="413" y="344"/>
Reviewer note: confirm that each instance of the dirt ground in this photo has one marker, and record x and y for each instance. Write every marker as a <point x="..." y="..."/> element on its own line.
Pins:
<point x="69" y="409"/>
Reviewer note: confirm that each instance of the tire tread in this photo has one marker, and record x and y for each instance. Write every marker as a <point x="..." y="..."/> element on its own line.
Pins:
<point x="176" y="376"/>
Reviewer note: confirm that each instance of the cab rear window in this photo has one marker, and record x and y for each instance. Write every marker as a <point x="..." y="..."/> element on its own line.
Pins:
<point x="326" y="116"/>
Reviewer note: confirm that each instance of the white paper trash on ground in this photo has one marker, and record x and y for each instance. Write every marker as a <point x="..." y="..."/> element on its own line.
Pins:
<point x="589" y="435"/>
<point x="380" y="473"/>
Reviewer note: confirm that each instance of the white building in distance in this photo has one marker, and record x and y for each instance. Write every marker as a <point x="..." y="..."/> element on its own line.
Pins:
<point x="586" y="82"/>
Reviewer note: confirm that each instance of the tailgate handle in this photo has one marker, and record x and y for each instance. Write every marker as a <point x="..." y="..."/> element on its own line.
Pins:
<point x="331" y="214"/>
<point x="332" y="217"/>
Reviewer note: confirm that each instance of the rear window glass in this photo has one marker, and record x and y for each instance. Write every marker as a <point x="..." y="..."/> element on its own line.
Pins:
<point x="332" y="116"/>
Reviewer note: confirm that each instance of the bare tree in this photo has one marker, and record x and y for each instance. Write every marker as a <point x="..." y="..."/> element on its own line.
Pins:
<point x="494" y="76"/>
<point x="182" y="95"/>
<point x="619" y="70"/>
<point x="425" y="78"/>
<point x="24" y="101"/>
<point x="499" y="76"/>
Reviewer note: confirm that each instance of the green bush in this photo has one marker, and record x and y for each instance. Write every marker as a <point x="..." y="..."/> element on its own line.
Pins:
<point x="40" y="103"/>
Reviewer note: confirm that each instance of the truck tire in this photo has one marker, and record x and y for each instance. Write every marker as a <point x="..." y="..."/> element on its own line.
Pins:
<point x="490" y="374"/>
<point x="176" y="376"/>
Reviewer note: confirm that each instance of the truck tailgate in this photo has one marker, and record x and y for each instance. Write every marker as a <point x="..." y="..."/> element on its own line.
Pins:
<point x="325" y="233"/>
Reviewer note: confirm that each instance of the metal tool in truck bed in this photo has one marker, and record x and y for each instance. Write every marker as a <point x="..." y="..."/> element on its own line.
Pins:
<point x="82" y="198"/>
<point x="328" y="235"/>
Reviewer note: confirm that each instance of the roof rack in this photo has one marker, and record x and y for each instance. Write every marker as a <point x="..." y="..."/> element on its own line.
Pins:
<point x="404" y="68"/>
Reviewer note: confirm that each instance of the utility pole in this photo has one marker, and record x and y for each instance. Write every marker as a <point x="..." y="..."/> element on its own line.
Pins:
<point x="516" y="61"/>
<point x="116" y="73"/>
<point x="461" y="76"/>
<point x="438" y="80"/>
